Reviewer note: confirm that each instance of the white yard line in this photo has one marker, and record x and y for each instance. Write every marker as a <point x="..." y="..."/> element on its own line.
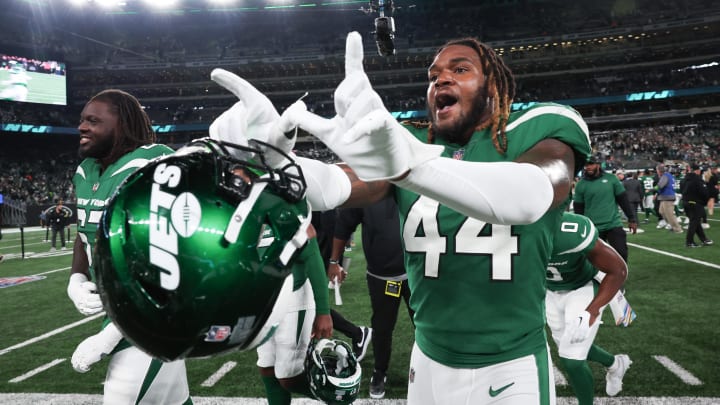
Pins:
<point x="36" y="371"/>
<point x="213" y="379"/>
<point x="51" y="333"/>
<point x="559" y="376"/>
<point x="678" y="370"/>
<point x="689" y="259"/>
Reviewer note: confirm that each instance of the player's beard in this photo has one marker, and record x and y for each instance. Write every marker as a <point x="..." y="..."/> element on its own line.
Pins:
<point x="460" y="129"/>
<point x="592" y="173"/>
<point x="99" y="148"/>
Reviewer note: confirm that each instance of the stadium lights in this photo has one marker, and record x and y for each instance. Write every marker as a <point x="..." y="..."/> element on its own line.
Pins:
<point x="100" y="3"/>
<point x="160" y="3"/>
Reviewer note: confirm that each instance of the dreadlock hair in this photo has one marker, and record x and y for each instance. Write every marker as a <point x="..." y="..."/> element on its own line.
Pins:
<point x="499" y="78"/>
<point x="134" y="128"/>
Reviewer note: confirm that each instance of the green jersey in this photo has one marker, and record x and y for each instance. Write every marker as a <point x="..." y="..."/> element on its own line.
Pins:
<point x="599" y="195"/>
<point x="94" y="188"/>
<point x="478" y="288"/>
<point x="648" y="183"/>
<point x="568" y="268"/>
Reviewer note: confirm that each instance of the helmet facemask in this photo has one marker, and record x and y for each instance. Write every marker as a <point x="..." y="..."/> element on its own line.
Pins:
<point x="191" y="256"/>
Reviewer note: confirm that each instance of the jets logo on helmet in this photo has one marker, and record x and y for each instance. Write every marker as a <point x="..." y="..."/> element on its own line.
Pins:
<point x="193" y="249"/>
<point x="332" y="371"/>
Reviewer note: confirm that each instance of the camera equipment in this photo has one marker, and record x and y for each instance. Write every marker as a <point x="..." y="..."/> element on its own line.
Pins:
<point x="384" y="35"/>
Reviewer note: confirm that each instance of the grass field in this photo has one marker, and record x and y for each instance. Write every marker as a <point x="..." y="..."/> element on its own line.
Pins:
<point x="674" y="343"/>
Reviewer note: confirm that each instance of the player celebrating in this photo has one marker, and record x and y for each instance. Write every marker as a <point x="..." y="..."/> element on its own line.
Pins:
<point x="480" y="333"/>
<point x="574" y="309"/>
<point x="281" y="359"/>
<point x="116" y="138"/>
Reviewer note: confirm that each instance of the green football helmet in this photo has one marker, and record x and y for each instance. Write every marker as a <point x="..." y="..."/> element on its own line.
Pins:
<point x="193" y="249"/>
<point x="333" y="371"/>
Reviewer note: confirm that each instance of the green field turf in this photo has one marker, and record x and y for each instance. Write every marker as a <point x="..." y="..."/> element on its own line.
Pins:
<point x="674" y="291"/>
<point x="44" y="88"/>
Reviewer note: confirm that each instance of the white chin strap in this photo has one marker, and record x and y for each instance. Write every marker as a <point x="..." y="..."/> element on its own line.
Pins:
<point x="242" y="211"/>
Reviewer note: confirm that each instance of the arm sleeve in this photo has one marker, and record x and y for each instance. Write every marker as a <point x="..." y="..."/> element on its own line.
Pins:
<point x="327" y="185"/>
<point x="315" y="271"/>
<point x="506" y="193"/>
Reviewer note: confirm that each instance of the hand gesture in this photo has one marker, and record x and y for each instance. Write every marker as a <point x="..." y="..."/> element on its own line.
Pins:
<point x="252" y="117"/>
<point x="363" y="133"/>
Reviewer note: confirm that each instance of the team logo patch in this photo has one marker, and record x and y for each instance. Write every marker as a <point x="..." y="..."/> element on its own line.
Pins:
<point x="411" y="375"/>
<point x="13" y="281"/>
<point x="185" y="214"/>
<point x="218" y="333"/>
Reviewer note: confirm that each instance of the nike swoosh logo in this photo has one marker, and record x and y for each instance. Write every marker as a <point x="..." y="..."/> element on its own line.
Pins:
<point x="494" y="393"/>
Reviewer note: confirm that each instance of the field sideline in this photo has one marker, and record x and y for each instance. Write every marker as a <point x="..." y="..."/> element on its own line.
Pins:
<point x="673" y="346"/>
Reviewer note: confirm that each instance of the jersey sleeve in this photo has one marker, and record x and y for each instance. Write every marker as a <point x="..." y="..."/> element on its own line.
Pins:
<point x="556" y="121"/>
<point x="312" y="262"/>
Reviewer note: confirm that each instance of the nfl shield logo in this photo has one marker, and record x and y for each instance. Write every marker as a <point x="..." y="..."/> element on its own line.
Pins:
<point x="458" y="154"/>
<point x="217" y="333"/>
<point x="95" y="187"/>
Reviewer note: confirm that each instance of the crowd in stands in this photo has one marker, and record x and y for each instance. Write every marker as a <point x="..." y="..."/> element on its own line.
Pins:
<point x="47" y="177"/>
<point x="167" y="66"/>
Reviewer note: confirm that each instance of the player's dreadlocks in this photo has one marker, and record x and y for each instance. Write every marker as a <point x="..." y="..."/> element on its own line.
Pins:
<point x="498" y="77"/>
<point x="134" y="128"/>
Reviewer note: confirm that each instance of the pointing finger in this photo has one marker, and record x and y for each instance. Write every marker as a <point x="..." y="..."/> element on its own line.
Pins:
<point x="353" y="53"/>
<point x="236" y="84"/>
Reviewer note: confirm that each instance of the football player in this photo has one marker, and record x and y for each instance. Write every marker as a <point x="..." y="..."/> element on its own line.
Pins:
<point x="476" y="249"/>
<point x="116" y="138"/>
<point x="281" y="359"/>
<point x="575" y="301"/>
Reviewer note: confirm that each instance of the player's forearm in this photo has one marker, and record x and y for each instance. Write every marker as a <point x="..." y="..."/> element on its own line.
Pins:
<point x="338" y="246"/>
<point x="80" y="263"/>
<point x="330" y="186"/>
<point x="607" y="260"/>
<point x="501" y="192"/>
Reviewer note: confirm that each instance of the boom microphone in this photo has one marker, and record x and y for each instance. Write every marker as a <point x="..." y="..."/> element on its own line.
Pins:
<point x="384" y="35"/>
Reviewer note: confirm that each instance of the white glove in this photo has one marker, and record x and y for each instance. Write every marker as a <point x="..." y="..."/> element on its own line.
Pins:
<point x="363" y="133"/>
<point x="83" y="294"/>
<point x="579" y="329"/>
<point x="252" y="117"/>
<point x="93" y="349"/>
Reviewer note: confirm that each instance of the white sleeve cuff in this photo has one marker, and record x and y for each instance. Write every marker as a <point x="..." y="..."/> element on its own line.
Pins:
<point x="328" y="186"/>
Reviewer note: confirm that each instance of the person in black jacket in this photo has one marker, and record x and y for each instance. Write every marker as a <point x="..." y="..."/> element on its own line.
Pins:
<point x="694" y="195"/>
<point x="386" y="277"/>
<point x="634" y="190"/>
<point x="57" y="219"/>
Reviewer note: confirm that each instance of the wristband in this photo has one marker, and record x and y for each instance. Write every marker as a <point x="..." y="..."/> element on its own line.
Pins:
<point x="331" y="261"/>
